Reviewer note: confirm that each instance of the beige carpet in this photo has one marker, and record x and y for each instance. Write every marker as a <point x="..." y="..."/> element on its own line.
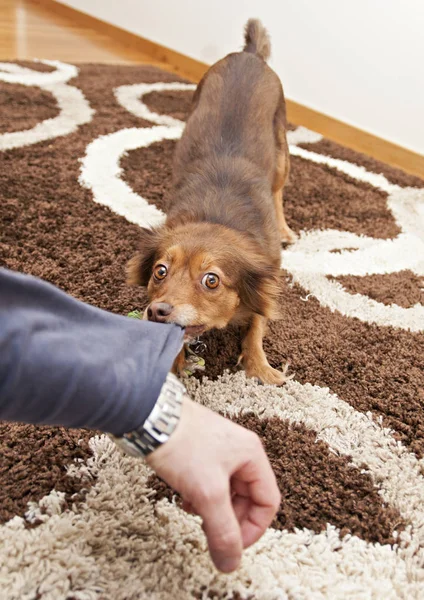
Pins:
<point x="85" y="160"/>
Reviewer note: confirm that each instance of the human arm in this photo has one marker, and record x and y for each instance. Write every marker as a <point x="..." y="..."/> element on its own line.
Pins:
<point x="63" y="362"/>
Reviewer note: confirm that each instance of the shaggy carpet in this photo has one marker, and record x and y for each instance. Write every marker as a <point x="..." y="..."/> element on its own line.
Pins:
<point x="85" y="160"/>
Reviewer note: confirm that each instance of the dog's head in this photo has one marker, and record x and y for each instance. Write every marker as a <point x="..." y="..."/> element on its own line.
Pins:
<point x="202" y="276"/>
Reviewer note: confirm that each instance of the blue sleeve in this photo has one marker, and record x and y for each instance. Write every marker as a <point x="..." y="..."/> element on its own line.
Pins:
<point x="63" y="362"/>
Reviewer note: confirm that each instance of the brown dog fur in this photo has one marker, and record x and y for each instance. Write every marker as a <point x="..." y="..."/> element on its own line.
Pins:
<point x="226" y="216"/>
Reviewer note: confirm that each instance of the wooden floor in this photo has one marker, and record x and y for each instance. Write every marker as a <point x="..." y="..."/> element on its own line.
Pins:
<point x="47" y="29"/>
<point x="30" y="29"/>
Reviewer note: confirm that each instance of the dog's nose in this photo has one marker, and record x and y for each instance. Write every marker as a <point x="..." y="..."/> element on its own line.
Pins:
<point x="159" y="311"/>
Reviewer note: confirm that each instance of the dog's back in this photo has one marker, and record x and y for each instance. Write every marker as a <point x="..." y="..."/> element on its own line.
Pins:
<point x="233" y="109"/>
<point x="225" y="162"/>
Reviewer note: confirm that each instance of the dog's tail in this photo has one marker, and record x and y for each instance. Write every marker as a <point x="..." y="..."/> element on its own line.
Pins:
<point x="257" y="39"/>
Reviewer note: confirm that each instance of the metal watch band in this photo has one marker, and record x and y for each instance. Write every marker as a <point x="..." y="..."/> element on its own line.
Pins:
<point x="160" y="424"/>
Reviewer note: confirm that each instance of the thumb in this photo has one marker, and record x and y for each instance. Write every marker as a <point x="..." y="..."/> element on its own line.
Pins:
<point x="222" y="530"/>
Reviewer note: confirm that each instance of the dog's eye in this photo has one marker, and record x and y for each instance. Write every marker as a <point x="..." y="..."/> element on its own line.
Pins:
<point x="160" y="272"/>
<point x="211" y="281"/>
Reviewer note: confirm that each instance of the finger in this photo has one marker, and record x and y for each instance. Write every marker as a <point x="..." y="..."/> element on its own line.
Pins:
<point x="241" y="506"/>
<point x="239" y="488"/>
<point x="187" y="507"/>
<point x="264" y="496"/>
<point x="244" y="510"/>
<point x="254" y="524"/>
<point x="221" y="528"/>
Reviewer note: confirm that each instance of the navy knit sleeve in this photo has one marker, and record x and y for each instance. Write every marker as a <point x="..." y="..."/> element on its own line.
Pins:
<point x="63" y="362"/>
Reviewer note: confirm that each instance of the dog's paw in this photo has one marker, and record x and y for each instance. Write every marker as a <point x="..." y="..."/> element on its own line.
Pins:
<point x="193" y="363"/>
<point x="288" y="236"/>
<point x="187" y="363"/>
<point x="264" y="373"/>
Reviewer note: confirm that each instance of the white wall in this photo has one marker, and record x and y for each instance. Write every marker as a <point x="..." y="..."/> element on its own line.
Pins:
<point x="361" y="61"/>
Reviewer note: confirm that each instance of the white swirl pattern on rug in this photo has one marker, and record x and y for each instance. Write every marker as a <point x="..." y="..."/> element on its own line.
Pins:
<point x="100" y="170"/>
<point x="311" y="262"/>
<point x="130" y="98"/>
<point x="74" y="109"/>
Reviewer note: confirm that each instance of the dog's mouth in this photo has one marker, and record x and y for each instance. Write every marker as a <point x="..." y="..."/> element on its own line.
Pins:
<point x="193" y="331"/>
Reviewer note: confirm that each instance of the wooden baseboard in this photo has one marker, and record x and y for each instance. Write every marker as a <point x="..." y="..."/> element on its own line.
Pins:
<point x="356" y="139"/>
<point x="192" y="69"/>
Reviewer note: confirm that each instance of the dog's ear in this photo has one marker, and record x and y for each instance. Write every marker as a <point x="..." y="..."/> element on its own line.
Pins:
<point x="258" y="289"/>
<point x="139" y="268"/>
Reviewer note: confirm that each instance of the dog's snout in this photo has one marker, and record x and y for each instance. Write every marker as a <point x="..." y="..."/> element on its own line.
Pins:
<point x="159" y="312"/>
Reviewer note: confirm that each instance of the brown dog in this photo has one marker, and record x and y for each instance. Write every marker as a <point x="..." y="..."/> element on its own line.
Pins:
<point x="217" y="258"/>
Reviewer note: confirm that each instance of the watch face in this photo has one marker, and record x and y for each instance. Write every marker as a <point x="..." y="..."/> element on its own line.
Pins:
<point x="127" y="446"/>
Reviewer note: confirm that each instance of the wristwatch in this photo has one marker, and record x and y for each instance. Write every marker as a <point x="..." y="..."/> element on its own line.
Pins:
<point x="160" y="423"/>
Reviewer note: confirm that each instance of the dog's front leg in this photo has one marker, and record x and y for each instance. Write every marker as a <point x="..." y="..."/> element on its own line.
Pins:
<point x="253" y="357"/>
<point x="180" y="363"/>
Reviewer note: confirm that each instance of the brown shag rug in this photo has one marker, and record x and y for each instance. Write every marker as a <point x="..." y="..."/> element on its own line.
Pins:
<point x="85" y="160"/>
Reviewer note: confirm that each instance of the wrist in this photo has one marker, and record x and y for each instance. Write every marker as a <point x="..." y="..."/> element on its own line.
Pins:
<point x="159" y="425"/>
<point x="174" y="439"/>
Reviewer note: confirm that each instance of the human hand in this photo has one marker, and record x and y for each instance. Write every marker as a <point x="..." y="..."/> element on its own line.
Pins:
<point x="223" y="475"/>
